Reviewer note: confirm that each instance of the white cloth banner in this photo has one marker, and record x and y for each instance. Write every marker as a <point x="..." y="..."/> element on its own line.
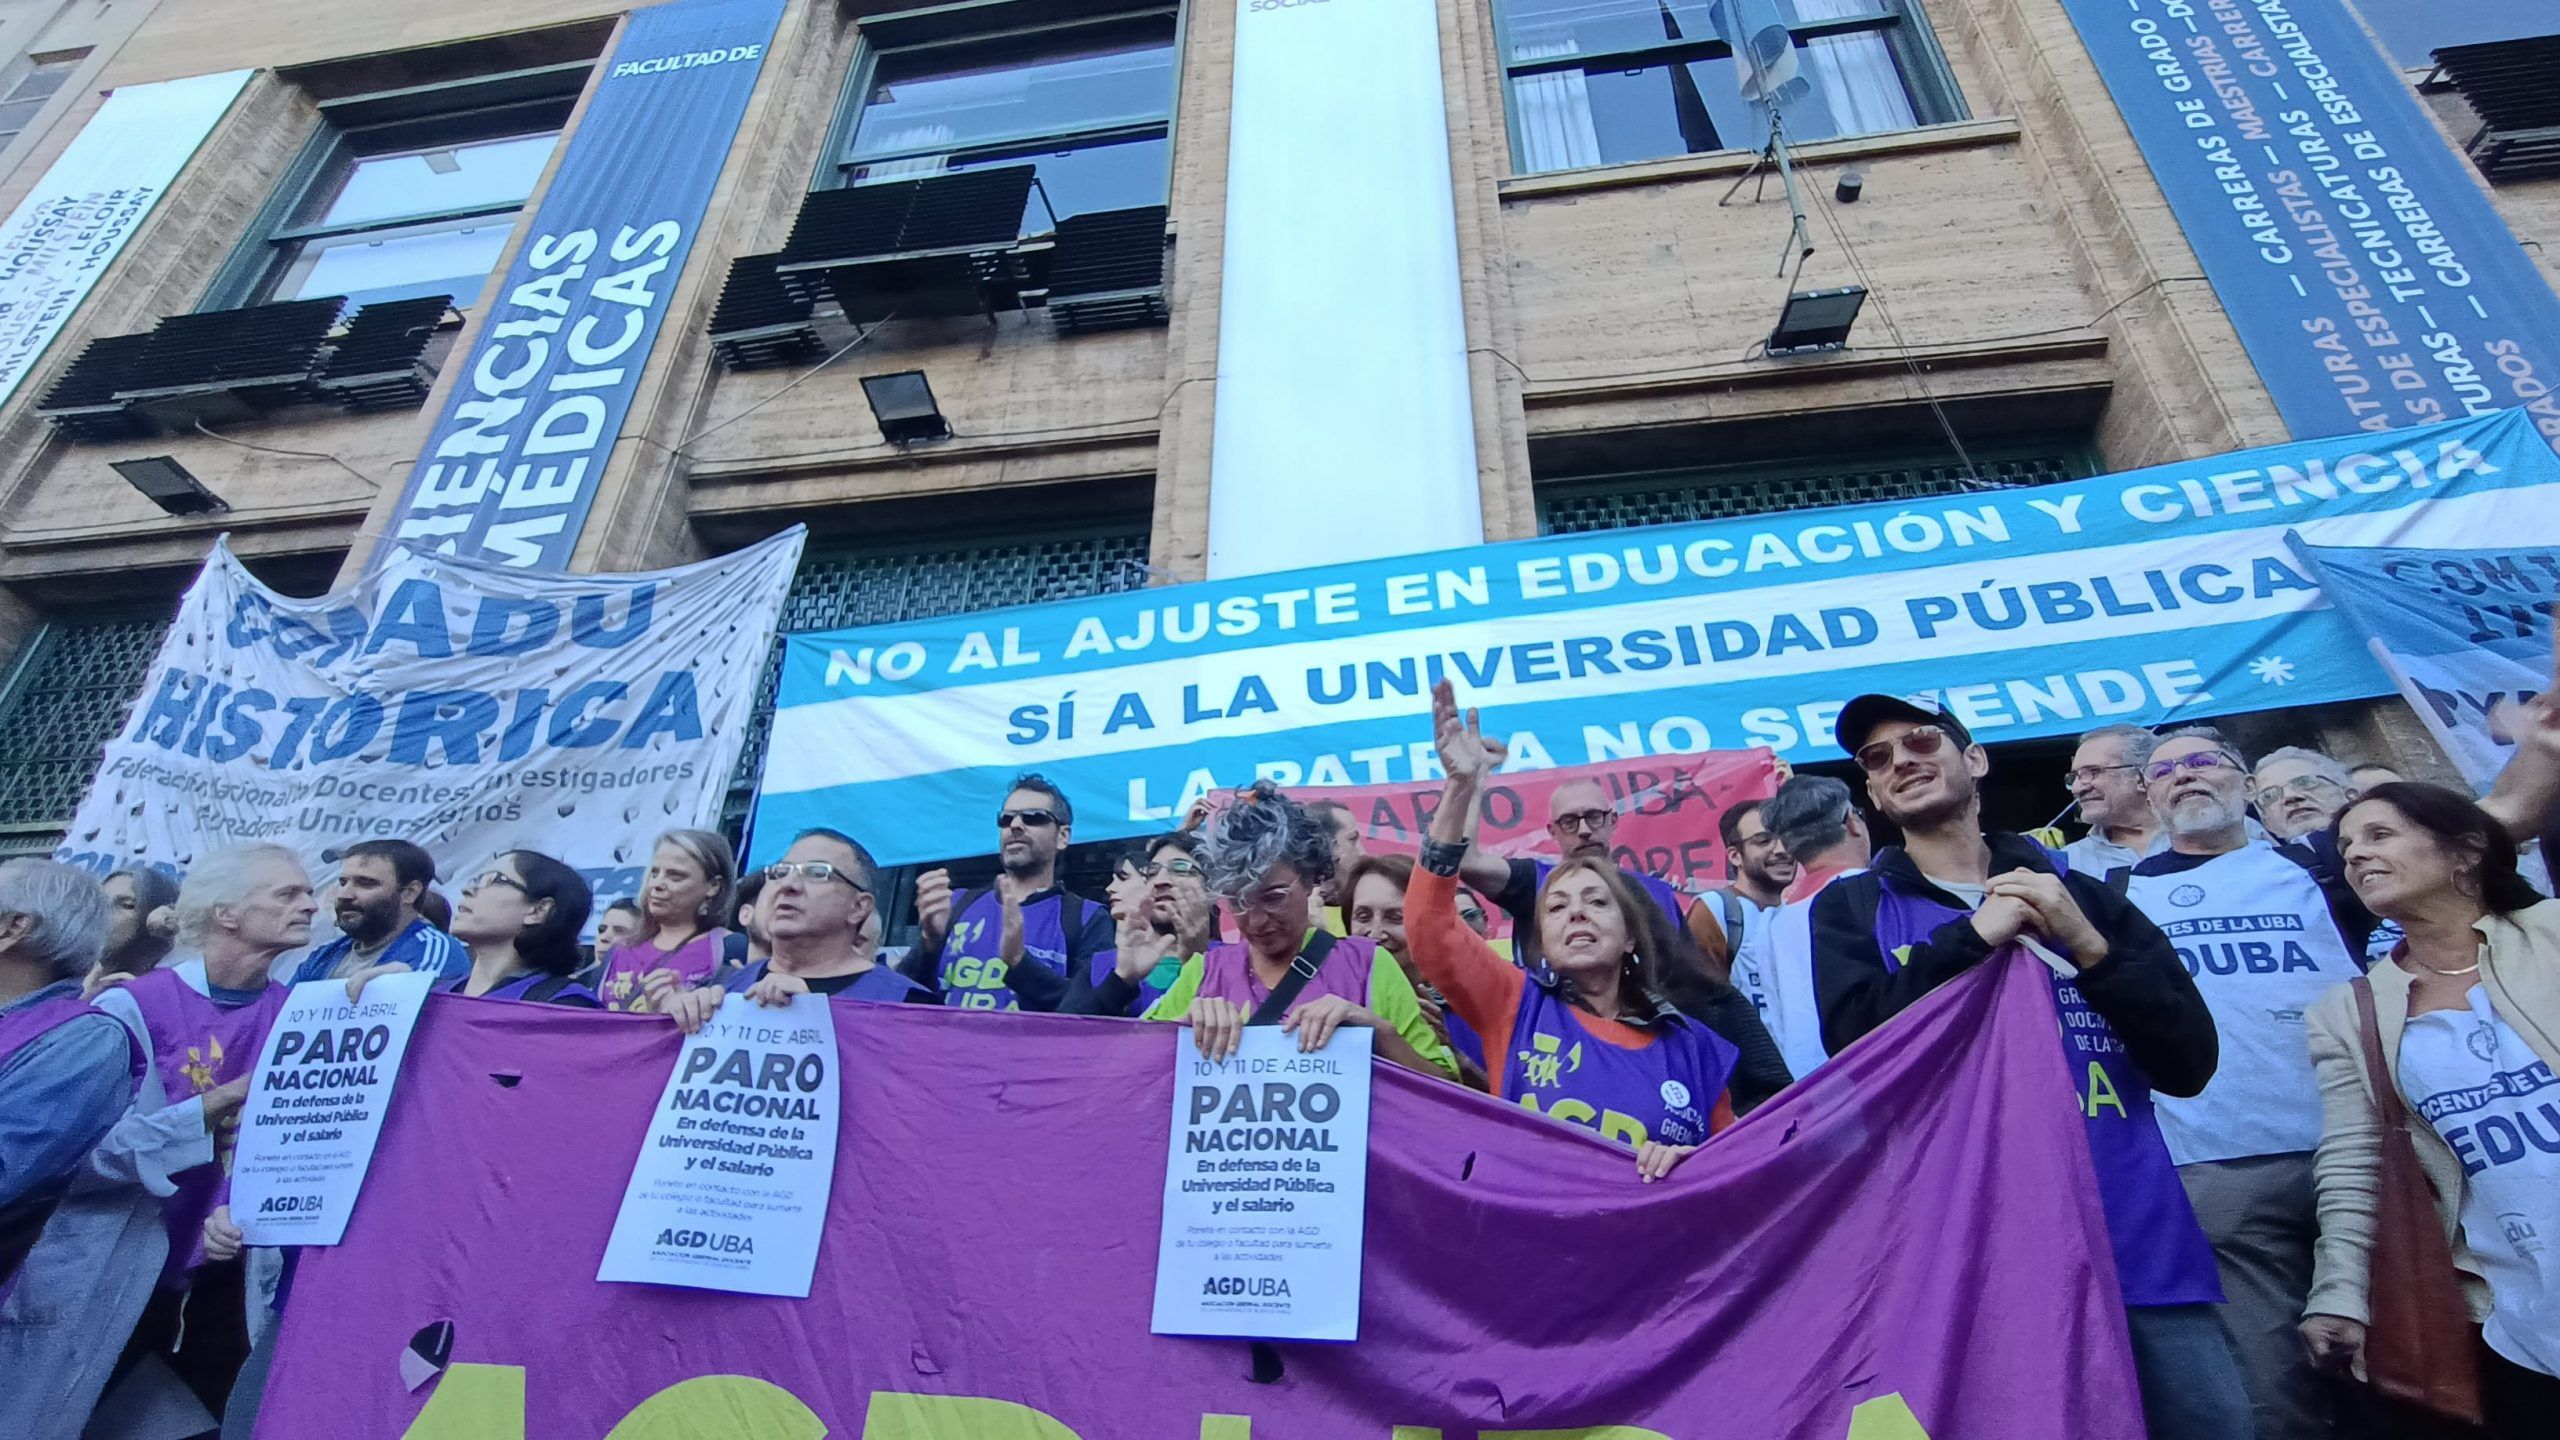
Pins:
<point x="76" y="220"/>
<point x="1266" y="1190"/>
<point x="315" y="1107"/>
<point x="459" y="704"/>
<point x="1342" y="343"/>
<point x="730" y="1190"/>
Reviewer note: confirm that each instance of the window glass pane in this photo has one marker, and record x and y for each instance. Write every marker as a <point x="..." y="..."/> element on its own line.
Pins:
<point x="432" y="178"/>
<point x="1571" y="118"/>
<point x="1078" y="80"/>
<point x="1858" y="87"/>
<point x="15" y="115"/>
<point x="398" y="264"/>
<point x="41" y="81"/>
<point x="1544" y="29"/>
<point x="1110" y="175"/>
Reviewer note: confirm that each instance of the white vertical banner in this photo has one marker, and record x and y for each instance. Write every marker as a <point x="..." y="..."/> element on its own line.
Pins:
<point x="76" y="220"/>
<point x="1344" y="425"/>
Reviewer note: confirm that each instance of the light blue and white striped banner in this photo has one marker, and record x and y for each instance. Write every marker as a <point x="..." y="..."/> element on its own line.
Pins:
<point x="2028" y="612"/>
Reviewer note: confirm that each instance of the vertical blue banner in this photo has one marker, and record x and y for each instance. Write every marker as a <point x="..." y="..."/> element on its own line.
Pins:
<point x="2371" y="281"/>
<point x="511" y="468"/>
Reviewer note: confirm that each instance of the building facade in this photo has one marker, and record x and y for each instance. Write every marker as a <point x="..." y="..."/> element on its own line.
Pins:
<point x="2034" y="311"/>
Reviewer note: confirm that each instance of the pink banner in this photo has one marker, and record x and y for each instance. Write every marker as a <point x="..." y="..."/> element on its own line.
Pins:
<point x="1914" y="1229"/>
<point x="1668" y="808"/>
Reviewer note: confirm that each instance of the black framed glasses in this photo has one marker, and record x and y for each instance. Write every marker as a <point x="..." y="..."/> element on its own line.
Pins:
<point x="1028" y="819"/>
<point x="487" y="878"/>
<point x="781" y="870"/>
<point x="1583" y="822"/>
<point x="2195" y="760"/>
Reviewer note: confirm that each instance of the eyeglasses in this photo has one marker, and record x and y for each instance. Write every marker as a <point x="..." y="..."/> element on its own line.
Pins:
<point x="1270" y="898"/>
<point x="2199" y="760"/>
<point x="781" y="870"/>
<point x="2091" y="774"/>
<point x="1028" y="819"/>
<point x="1581" y="821"/>
<point x="1917" y="741"/>
<point x="2306" y="786"/>
<point x="1172" y="867"/>
<point x="488" y="878"/>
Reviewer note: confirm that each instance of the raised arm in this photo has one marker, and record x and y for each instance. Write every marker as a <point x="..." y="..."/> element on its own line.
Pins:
<point x="1480" y="985"/>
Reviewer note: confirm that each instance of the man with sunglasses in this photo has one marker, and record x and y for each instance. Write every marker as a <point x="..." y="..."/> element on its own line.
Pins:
<point x="1951" y="896"/>
<point x="2265" y="929"/>
<point x="817" y="905"/>
<point x="1019" y="943"/>
<point x="1583" y="821"/>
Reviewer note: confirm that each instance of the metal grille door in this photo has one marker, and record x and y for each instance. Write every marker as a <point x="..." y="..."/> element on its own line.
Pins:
<point x="1574" y="507"/>
<point x="68" y="696"/>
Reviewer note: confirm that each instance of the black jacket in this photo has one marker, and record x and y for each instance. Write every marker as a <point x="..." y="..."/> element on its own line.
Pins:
<point x="2141" y="989"/>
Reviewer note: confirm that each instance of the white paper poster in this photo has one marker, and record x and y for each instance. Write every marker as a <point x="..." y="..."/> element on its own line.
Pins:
<point x="315" y="1107"/>
<point x="730" y="1191"/>
<point x="458" y="704"/>
<point x="92" y="199"/>
<point x="1266" y="1189"/>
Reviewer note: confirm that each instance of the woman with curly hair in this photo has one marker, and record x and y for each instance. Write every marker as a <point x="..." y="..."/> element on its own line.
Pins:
<point x="1266" y="856"/>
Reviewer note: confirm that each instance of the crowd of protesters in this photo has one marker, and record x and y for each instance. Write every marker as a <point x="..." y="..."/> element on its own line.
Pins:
<point x="2290" y="990"/>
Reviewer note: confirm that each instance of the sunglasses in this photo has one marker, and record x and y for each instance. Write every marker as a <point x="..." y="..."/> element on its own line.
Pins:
<point x="1918" y="741"/>
<point x="1172" y="867"/>
<point x="2200" y="760"/>
<point x="1028" y="819"/>
<point x="781" y="870"/>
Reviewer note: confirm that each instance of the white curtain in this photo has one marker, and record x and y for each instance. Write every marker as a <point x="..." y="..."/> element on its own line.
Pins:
<point x="908" y="137"/>
<point x="1553" y="111"/>
<point x="1855" y="73"/>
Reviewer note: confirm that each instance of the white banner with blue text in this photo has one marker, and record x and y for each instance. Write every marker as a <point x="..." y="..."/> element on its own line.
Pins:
<point x="2032" y="611"/>
<point x="459" y="704"/>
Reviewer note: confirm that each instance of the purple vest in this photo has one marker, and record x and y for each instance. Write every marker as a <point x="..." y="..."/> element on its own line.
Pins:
<point x="569" y="994"/>
<point x="21" y="1223"/>
<point x="1665" y="1091"/>
<point x="972" y="979"/>
<point x="199" y="1046"/>
<point x="694" y="962"/>
<point x="2162" y="1257"/>
<point x="1227" y="972"/>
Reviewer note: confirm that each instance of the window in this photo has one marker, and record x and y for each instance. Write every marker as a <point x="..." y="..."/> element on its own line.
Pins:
<point x="65" y="698"/>
<point x="1603" y="82"/>
<point x="1679" y="497"/>
<point x="1089" y="104"/>
<point x="26" y="98"/>
<point x="390" y="204"/>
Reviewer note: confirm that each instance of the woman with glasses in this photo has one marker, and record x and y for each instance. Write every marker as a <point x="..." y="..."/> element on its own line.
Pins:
<point x="820" y="918"/>
<point x="1266" y="856"/>
<point x="521" y="916"/>
<point x="1588" y="1038"/>
<point x="690" y="892"/>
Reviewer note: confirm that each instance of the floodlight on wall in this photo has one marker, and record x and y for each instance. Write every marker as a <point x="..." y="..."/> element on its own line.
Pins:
<point x="169" y="486"/>
<point x="903" y="404"/>
<point x="1816" y="320"/>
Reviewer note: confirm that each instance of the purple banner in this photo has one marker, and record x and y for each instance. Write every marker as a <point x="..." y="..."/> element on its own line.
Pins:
<point x="1906" y="1245"/>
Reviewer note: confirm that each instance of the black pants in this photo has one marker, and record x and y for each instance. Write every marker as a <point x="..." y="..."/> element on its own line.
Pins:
<point x="201" y="1332"/>
<point x="2521" y="1404"/>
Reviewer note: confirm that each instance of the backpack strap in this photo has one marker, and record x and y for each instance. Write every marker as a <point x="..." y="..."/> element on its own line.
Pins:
<point x="1072" y="909"/>
<point x="1733" y="920"/>
<point x="546" y="987"/>
<point x="1301" y="970"/>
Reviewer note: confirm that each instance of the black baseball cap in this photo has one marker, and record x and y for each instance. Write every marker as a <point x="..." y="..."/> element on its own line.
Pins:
<point x="1865" y="713"/>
